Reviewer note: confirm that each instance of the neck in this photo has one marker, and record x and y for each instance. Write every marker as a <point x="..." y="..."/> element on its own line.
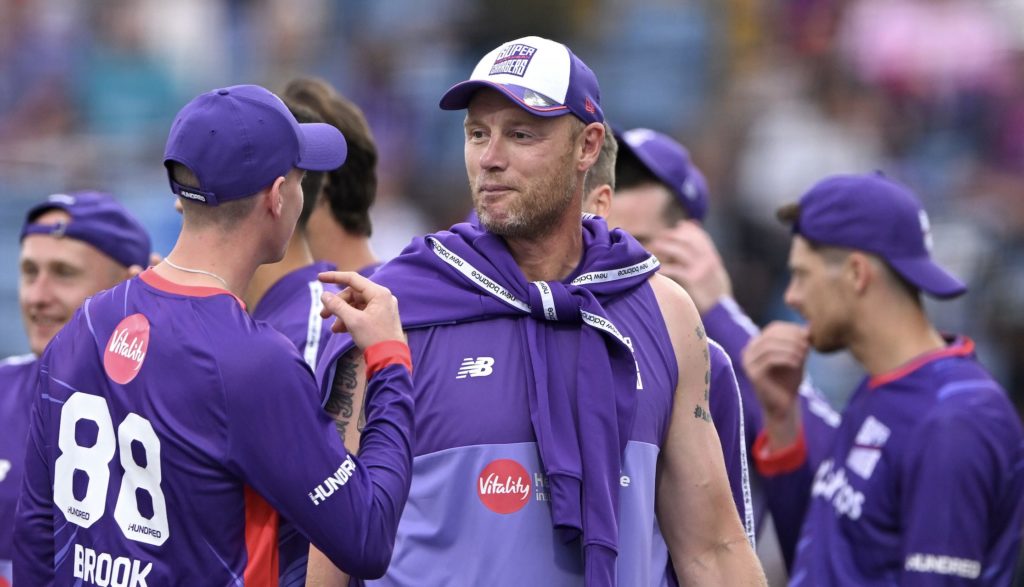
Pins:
<point x="552" y="256"/>
<point x="214" y="253"/>
<point x="894" y="333"/>
<point x="330" y="242"/>
<point x="296" y="256"/>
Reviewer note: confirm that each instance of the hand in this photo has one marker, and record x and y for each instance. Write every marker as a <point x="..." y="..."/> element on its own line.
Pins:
<point x="774" y="363"/>
<point x="689" y="257"/>
<point x="364" y="309"/>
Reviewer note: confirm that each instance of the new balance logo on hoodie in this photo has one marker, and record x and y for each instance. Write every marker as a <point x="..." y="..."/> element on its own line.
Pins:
<point x="478" y="367"/>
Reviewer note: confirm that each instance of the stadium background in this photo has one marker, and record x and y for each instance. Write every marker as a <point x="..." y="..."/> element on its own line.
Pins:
<point x="770" y="95"/>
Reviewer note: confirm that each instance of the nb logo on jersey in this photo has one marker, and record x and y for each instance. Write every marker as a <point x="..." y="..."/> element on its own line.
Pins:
<point x="478" y="367"/>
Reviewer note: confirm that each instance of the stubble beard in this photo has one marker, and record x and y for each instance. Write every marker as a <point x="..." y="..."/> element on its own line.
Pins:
<point x="537" y="210"/>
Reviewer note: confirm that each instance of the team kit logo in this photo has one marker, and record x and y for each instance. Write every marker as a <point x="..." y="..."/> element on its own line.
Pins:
<point x="126" y="349"/>
<point x="513" y="59"/>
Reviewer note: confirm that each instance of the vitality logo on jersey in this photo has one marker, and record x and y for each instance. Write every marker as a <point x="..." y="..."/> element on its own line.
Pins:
<point x="478" y="367"/>
<point x="126" y="349"/>
<point x="5" y="467"/>
<point x="504" y="486"/>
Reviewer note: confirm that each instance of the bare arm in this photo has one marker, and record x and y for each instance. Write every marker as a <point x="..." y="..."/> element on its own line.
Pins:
<point x="694" y="505"/>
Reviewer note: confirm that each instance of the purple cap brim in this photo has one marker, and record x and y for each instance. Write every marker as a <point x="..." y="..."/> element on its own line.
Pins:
<point x="458" y="97"/>
<point x="929" y="277"/>
<point x="323" y="147"/>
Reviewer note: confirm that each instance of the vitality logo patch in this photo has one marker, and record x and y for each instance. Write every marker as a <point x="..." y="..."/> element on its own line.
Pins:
<point x="126" y="349"/>
<point x="504" y="486"/>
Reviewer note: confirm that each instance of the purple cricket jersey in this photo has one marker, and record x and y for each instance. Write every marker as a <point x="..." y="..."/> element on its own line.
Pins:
<point x="482" y="505"/>
<point x="480" y="495"/>
<point x="170" y="432"/>
<point x="17" y="379"/>
<point x="292" y="306"/>
<point x="923" y="483"/>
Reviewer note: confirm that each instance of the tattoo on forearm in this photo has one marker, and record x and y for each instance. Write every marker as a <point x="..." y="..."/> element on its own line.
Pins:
<point x="340" y="403"/>
<point x="700" y="332"/>
<point x="701" y="414"/>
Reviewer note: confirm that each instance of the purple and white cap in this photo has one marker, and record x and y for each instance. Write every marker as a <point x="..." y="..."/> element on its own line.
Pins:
<point x="97" y="219"/>
<point x="670" y="162"/>
<point x="539" y="75"/>
<point x="238" y="140"/>
<point x="876" y="214"/>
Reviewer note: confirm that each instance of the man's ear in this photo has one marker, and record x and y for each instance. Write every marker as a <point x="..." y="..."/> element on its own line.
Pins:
<point x="593" y="140"/>
<point x="275" y="199"/>
<point x="599" y="200"/>
<point x="861" y="272"/>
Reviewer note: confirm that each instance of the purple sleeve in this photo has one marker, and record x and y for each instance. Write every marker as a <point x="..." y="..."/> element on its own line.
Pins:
<point x="726" y="323"/>
<point x="727" y="413"/>
<point x="289" y="451"/>
<point x="33" y="524"/>
<point x="787" y="496"/>
<point x="961" y="483"/>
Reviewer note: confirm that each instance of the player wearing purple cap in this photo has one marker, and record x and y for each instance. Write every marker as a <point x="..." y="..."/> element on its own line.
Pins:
<point x="561" y="384"/>
<point x="72" y="246"/>
<point x="171" y="432"/>
<point x="923" y="481"/>
<point x="725" y="402"/>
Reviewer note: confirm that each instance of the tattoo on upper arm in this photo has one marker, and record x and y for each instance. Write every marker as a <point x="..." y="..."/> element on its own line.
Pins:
<point x="701" y="414"/>
<point x="699" y="331"/>
<point x="340" y="403"/>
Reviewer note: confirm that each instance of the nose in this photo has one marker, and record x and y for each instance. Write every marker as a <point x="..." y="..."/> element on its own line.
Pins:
<point x="494" y="156"/>
<point x="791" y="296"/>
<point x="38" y="290"/>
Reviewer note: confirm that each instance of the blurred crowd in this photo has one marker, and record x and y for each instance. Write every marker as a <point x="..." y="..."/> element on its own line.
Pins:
<point x="769" y="96"/>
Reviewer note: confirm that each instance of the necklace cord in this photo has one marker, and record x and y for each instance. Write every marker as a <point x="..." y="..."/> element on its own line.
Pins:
<point x="197" y="271"/>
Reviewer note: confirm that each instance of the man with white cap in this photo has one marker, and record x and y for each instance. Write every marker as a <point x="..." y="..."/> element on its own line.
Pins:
<point x="923" y="481"/>
<point x="561" y="384"/>
<point x="171" y="433"/>
<point x="72" y="246"/>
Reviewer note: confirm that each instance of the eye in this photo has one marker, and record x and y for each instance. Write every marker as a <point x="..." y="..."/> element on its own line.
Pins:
<point x="474" y="134"/>
<point x="64" y="270"/>
<point x="29" y="271"/>
<point x="520" y="135"/>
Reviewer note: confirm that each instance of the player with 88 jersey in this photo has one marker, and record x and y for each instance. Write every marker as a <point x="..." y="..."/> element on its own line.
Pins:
<point x="161" y="447"/>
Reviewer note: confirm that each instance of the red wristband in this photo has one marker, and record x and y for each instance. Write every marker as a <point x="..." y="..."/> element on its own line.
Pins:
<point x="389" y="352"/>
<point x="782" y="461"/>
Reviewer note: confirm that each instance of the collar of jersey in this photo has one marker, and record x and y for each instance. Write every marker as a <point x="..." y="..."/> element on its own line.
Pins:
<point x="961" y="346"/>
<point x="154" y="280"/>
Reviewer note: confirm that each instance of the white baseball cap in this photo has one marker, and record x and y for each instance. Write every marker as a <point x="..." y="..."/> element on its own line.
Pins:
<point x="539" y="75"/>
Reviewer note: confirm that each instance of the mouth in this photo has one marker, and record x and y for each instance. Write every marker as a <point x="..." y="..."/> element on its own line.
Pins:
<point x="47" y="322"/>
<point x="492" y="190"/>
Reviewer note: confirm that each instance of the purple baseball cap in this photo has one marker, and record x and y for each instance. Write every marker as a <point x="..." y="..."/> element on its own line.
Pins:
<point x="670" y="162"/>
<point x="97" y="219"/>
<point x="539" y="75"/>
<point x="238" y="140"/>
<point x="875" y="214"/>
